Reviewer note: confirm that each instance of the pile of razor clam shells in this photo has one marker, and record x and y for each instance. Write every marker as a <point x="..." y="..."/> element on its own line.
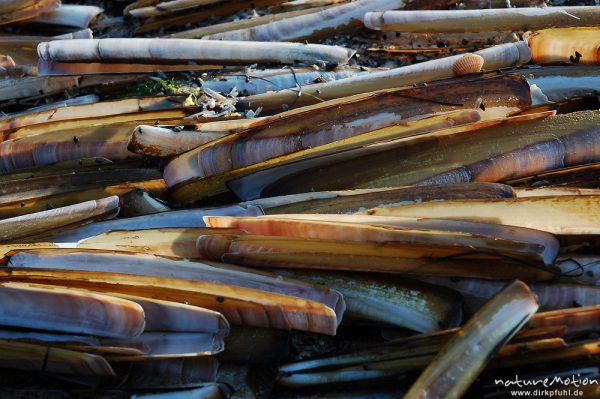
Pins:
<point x="256" y="199"/>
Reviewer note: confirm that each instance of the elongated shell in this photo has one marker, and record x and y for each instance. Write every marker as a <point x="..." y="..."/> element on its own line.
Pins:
<point x="60" y="310"/>
<point x="240" y="305"/>
<point x="168" y="316"/>
<point x="16" y="13"/>
<point x="10" y="5"/>
<point x="258" y="82"/>
<point x="550" y="296"/>
<point x="311" y="126"/>
<point x="578" y="148"/>
<point x="157" y="51"/>
<point x="42" y="338"/>
<point x="68" y="216"/>
<point x="461" y="360"/>
<point x="492" y="19"/>
<point x="572" y="215"/>
<point x="158" y="345"/>
<point x="37" y="358"/>
<point x="577" y="319"/>
<point x="501" y="56"/>
<point x="92" y="110"/>
<point x="563" y="45"/>
<point x="397" y="301"/>
<point x="74" y="15"/>
<point x="322" y="23"/>
<point x="350" y="201"/>
<point x="149" y="265"/>
<point x="187" y="218"/>
<point x="171" y="242"/>
<point x="163" y="142"/>
<point x="423" y="232"/>
<point x="161" y="8"/>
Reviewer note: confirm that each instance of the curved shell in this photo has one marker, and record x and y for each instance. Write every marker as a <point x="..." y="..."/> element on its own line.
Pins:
<point x="63" y="310"/>
<point x="467" y="64"/>
<point x="576" y="45"/>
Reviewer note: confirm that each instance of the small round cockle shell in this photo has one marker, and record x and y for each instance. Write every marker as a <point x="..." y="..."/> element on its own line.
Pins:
<point x="467" y="64"/>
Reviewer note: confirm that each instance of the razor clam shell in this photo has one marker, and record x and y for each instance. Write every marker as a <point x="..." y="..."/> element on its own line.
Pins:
<point x="376" y="158"/>
<point x="61" y="310"/>
<point x="205" y="31"/>
<point x="165" y="51"/>
<point x="169" y="242"/>
<point x="67" y="145"/>
<point x="78" y="34"/>
<point x="404" y="193"/>
<point x="428" y="344"/>
<point x="577" y="319"/>
<point x="351" y="201"/>
<point x="80" y="100"/>
<point x="461" y="21"/>
<point x="496" y="57"/>
<point x="65" y="217"/>
<point x="327" y="22"/>
<point x="578" y="148"/>
<point x="404" y="164"/>
<point x="238" y="304"/>
<point x="300" y="4"/>
<point x="76" y="16"/>
<point x="461" y="359"/>
<point x="554" y="191"/>
<point x="257" y="82"/>
<point x="168" y="316"/>
<point x="571" y="215"/>
<point x="72" y="196"/>
<point x="160" y="8"/>
<point x="577" y="352"/>
<point x="191" y="218"/>
<point x="414" y="352"/>
<point x="10" y="5"/>
<point x="23" y="356"/>
<point x="168" y="345"/>
<point x="330" y="260"/>
<point x="253" y="181"/>
<point x="550" y="296"/>
<point x="218" y="10"/>
<point x="558" y="45"/>
<point x="396" y="301"/>
<point x="584" y="176"/>
<point x="93" y="110"/>
<point x="42" y="338"/>
<point x="19" y="190"/>
<point x="162" y="142"/>
<point x="28" y="12"/>
<point x="149" y="265"/>
<point x="28" y="86"/>
<point x="427" y="232"/>
<point x="301" y="129"/>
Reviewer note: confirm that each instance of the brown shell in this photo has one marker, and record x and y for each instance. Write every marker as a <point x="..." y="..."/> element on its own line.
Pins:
<point x="467" y="64"/>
